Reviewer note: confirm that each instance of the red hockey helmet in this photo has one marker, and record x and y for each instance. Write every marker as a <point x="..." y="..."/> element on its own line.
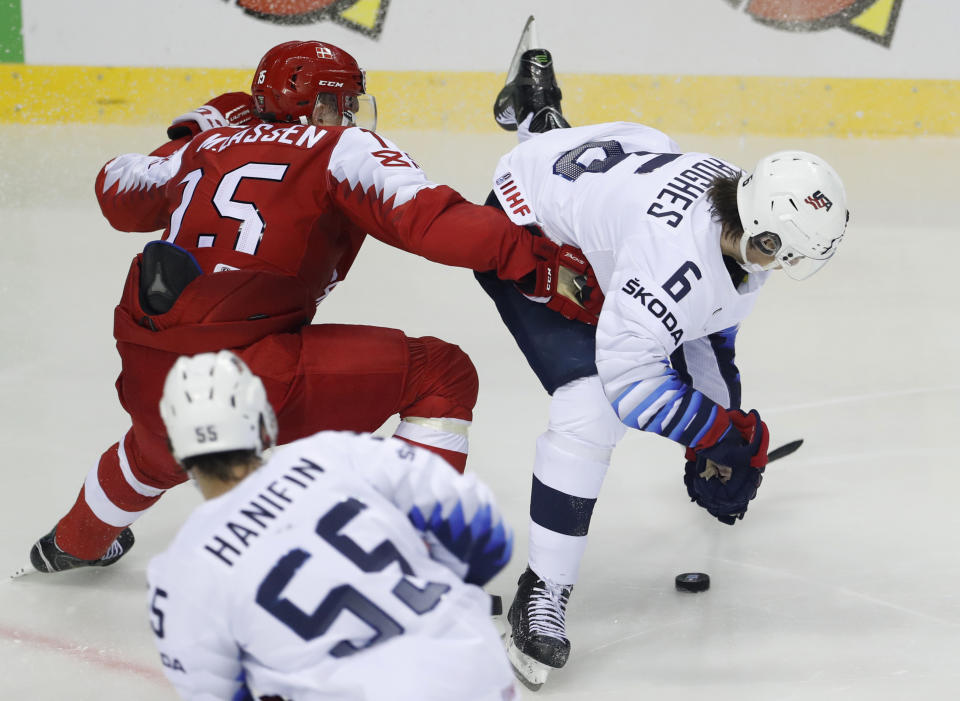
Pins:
<point x="312" y="82"/>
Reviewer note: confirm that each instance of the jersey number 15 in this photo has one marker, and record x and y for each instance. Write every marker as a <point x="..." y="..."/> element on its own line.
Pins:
<point x="251" y="223"/>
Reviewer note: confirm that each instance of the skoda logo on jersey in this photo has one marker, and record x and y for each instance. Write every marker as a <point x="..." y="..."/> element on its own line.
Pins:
<point x="655" y="306"/>
<point x="871" y="19"/>
<point x="364" y="16"/>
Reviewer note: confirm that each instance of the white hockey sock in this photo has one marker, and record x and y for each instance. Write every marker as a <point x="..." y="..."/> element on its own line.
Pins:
<point x="566" y="483"/>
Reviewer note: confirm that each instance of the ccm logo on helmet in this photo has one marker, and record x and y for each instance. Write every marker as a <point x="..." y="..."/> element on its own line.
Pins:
<point x="331" y="83"/>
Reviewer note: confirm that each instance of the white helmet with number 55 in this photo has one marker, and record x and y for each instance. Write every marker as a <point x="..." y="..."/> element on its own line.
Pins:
<point x="212" y="403"/>
<point x="795" y="201"/>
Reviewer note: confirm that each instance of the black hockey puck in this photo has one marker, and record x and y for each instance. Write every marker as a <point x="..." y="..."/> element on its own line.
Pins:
<point x="496" y="605"/>
<point x="692" y="581"/>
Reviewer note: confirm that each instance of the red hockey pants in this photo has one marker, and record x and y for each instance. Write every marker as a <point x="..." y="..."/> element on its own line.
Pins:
<point x="325" y="377"/>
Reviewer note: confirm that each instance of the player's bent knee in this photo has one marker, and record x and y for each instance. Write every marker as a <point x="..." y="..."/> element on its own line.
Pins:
<point x="443" y="380"/>
<point x="580" y="412"/>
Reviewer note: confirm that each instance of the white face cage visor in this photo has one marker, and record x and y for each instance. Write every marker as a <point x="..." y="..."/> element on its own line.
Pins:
<point x="339" y="109"/>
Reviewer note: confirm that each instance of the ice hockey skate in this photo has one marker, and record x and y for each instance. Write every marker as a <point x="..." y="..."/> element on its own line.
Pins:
<point x="46" y="556"/>
<point x="531" y="88"/>
<point x="538" y="638"/>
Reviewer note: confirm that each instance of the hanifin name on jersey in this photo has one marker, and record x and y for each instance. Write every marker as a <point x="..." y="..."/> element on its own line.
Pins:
<point x="262" y="508"/>
<point x="303" y="136"/>
<point x="655" y="307"/>
<point x="686" y="188"/>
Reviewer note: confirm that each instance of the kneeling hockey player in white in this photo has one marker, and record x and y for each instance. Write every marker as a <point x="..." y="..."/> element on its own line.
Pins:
<point x="343" y="567"/>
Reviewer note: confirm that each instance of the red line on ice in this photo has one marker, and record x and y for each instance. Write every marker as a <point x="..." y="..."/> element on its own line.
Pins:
<point x="81" y="652"/>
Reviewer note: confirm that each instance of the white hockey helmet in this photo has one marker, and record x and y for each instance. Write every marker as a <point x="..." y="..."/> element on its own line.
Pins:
<point x="799" y="198"/>
<point x="212" y="403"/>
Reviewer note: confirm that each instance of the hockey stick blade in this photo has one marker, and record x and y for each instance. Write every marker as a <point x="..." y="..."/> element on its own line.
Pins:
<point x="784" y="450"/>
<point x="528" y="40"/>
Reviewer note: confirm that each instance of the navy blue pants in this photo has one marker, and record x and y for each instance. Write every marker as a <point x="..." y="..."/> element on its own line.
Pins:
<point x="558" y="349"/>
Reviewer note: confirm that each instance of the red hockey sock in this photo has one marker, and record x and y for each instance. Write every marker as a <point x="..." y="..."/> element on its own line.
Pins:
<point x="81" y="534"/>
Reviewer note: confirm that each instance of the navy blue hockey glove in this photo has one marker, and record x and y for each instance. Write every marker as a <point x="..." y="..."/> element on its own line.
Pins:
<point x="724" y="492"/>
<point x="725" y="476"/>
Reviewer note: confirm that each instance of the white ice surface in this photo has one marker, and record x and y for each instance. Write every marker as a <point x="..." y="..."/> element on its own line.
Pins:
<point x="841" y="583"/>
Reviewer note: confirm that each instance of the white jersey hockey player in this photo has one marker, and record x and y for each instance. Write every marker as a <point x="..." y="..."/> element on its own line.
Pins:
<point x="634" y="203"/>
<point x="342" y="568"/>
<point x="681" y="244"/>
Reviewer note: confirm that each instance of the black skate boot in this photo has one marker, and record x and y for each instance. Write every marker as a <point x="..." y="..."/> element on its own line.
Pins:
<point x="538" y="639"/>
<point x="46" y="555"/>
<point x="533" y="90"/>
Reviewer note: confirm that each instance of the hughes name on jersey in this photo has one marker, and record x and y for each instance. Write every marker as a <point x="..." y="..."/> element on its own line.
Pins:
<point x="637" y="207"/>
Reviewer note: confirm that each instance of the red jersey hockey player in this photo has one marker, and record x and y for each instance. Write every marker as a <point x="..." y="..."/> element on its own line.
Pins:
<point x="263" y="212"/>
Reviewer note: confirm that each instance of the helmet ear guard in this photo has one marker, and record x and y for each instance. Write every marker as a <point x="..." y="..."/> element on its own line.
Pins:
<point x="212" y="403"/>
<point x="800" y="199"/>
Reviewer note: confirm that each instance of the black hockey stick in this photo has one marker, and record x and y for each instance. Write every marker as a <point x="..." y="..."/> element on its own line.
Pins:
<point x="784" y="450"/>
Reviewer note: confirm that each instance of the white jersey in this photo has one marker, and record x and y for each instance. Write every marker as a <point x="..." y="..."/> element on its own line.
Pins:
<point x="308" y="581"/>
<point x="635" y="205"/>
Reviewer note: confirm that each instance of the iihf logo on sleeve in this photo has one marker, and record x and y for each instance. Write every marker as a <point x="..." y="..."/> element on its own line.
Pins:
<point x="818" y="200"/>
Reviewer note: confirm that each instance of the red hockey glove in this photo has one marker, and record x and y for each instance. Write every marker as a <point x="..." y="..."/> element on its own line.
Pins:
<point x="564" y="281"/>
<point x="232" y="109"/>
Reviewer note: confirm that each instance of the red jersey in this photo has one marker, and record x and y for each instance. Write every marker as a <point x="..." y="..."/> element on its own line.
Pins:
<point x="299" y="200"/>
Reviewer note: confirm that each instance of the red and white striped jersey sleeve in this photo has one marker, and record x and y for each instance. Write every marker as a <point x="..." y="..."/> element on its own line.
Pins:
<point x="383" y="191"/>
<point x="131" y="190"/>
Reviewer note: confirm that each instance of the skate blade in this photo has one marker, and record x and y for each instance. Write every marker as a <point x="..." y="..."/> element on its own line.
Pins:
<point x="528" y="40"/>
<point x="528" y="671"/>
